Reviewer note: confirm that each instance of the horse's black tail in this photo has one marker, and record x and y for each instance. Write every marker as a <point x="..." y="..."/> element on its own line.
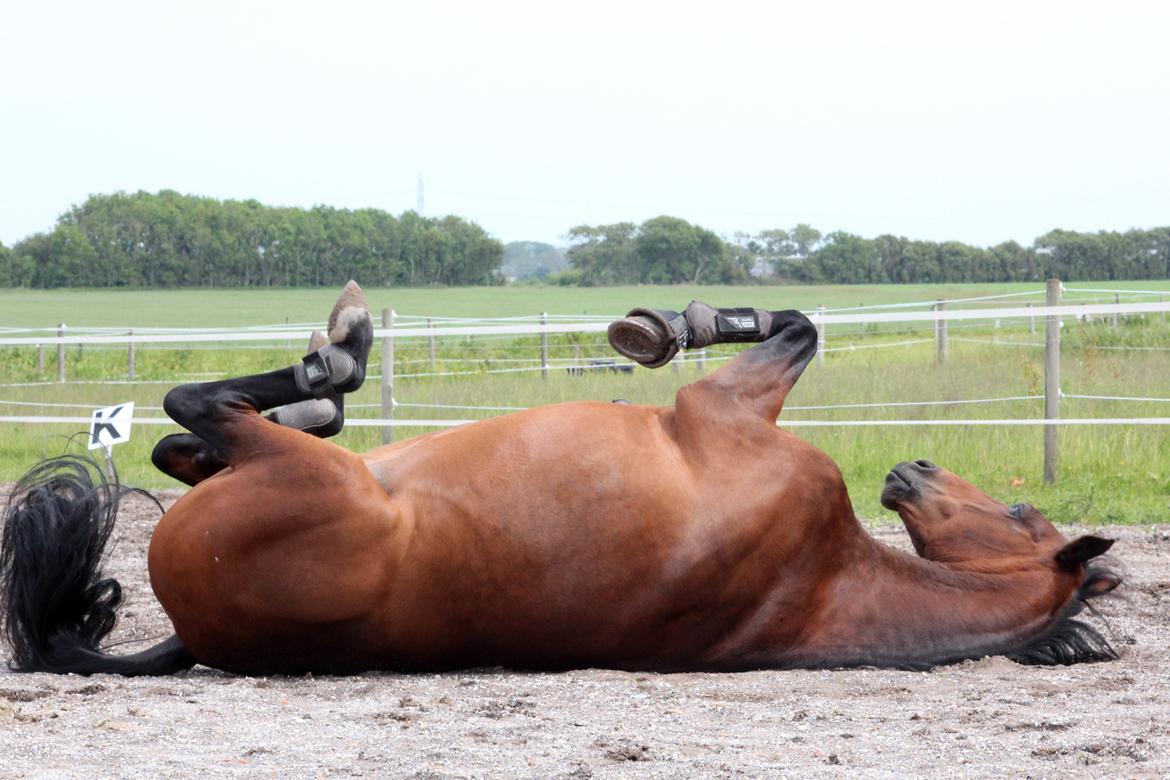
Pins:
<point x="56" y="605"/>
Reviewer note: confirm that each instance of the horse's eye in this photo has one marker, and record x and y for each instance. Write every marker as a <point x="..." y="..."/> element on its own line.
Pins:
<point x="1017" y="511"/>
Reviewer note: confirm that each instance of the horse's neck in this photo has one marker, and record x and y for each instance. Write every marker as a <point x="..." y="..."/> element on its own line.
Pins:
<point x="887" y="607"/>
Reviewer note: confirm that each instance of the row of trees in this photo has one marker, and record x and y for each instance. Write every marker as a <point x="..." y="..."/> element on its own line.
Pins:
<point x="173" y="240"/>
<point x="663" y="250"/>
<point x="667" y="250"/>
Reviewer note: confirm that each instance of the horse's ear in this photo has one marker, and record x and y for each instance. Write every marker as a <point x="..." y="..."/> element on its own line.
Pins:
<point x="1082" y="549"/>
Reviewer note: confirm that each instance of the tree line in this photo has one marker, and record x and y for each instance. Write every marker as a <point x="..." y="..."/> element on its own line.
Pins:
<point x="666" y="250"/>
<point x="173" y="240"/>
<point x="843" y="258"/>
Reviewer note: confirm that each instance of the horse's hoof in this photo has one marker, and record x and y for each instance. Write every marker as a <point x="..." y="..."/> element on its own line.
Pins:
<point x="641" y="339"/>
<point x="351" y="304"/>
<point x="649" y="336"/>
<point x="351" y="335"/>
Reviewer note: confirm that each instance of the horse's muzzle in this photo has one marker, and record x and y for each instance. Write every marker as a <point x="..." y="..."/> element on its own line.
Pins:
<point x="904" y="482"/>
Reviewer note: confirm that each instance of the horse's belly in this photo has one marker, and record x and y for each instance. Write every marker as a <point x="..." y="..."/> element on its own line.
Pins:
<point x="564" y="541"/>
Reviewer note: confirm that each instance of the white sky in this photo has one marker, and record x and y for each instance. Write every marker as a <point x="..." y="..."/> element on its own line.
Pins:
<point x="976" y="121"/>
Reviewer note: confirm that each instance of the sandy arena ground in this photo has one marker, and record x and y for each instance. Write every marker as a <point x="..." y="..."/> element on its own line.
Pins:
<point x="988" y="718"/>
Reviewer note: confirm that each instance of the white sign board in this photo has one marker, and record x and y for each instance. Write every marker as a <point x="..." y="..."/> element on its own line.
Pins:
<point x="110" y="426"/>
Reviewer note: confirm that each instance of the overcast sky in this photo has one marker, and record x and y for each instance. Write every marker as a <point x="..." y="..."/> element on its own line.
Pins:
<point x="977" y="121"/>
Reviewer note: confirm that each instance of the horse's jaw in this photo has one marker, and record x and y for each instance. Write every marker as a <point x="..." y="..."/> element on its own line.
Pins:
<point x="892" y="609"/>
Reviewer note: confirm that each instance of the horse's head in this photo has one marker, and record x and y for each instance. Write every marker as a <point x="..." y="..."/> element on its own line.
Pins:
<point x="953" y="522"/>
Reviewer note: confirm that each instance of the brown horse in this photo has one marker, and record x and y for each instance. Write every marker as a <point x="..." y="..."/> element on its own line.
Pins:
<point x="698" y="536"/>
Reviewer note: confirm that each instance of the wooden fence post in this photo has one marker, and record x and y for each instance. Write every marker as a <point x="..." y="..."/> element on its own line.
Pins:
<point x="40" y="360"/>
<point x="1116" y="301"/>
<point x="543" y="345"/>
<point x="387" y="375"/>
<point x="1031" y="321"/>
<point x="820" y="336"/>
<point x="940" y="333"/>
<point x="131" y="357"/>
<point x="61" y="353"/>
<point x="1052" y="383"/>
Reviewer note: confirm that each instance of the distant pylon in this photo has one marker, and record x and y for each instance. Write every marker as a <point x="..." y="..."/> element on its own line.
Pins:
<point x="420" y="195"/>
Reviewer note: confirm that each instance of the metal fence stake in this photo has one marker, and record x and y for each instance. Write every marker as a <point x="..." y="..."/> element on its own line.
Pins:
<point x="820" y="336"/>
<point x="387" y="375"/>
<point x="61" y="353"/>
<point x="1052" y="384"/>
<point x="544" y="346"/>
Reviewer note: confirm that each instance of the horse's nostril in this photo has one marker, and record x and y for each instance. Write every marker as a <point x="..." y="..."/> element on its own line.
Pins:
<point x="925" y="464"/>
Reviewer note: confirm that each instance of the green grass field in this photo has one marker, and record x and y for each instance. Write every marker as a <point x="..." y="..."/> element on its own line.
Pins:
<point x="207" y="308"/>
<point x="1108" y="474"/>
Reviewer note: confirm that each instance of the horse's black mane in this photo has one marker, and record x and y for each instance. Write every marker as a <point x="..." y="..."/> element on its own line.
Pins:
<point x="1070" y="641"/>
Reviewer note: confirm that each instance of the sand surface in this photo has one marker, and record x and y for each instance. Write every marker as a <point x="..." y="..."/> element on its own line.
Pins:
<point x="987" y="718"/>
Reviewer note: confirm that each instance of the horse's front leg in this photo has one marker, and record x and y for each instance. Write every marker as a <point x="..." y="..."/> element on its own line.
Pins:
<point x="759" y="378"/>
<point x="306" y="397"/>
<point x="190" y="459"/>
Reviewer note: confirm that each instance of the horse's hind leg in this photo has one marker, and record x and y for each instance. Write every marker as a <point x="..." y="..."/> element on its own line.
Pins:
<point x="306" y="397"/>
<point x="759" y="378"/>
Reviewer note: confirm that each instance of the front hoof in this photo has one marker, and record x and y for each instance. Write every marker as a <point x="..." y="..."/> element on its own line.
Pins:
<point x="351" y="330"/>
<point x="351" y="297"/>
<point x="649" y="336"/>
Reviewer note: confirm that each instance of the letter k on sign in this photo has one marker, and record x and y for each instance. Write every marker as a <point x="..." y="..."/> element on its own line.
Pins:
<point x="110" y="425"/>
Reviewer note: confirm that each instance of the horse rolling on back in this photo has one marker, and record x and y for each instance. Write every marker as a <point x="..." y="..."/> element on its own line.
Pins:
<point x="694" y="537"/>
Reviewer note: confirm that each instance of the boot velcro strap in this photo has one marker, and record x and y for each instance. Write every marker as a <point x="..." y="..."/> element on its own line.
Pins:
<point x="738" y="325"/>
<point x="312" y="374"/>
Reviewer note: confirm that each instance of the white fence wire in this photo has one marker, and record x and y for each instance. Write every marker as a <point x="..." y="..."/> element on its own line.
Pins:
<point x="575" y="325"/>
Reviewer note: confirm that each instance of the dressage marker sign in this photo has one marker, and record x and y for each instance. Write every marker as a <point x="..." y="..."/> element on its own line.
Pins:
<point x="110" y="425"/>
